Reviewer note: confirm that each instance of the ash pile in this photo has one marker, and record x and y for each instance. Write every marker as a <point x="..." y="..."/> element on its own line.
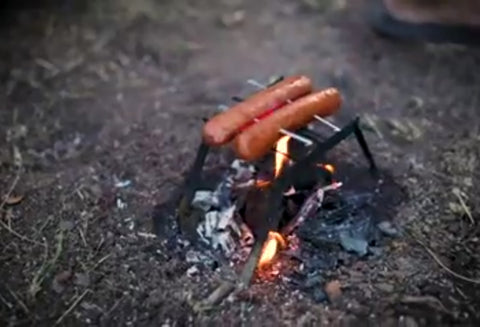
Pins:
<point x="331" y="225"/>
<point x="222" y="227"/>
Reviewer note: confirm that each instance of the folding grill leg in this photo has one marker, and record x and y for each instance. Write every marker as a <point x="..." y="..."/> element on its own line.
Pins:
<point x="352" y="128"/>
<point x="363" y="144"/>
<point x="196" y="171"/>
<point x="191" y="183"/>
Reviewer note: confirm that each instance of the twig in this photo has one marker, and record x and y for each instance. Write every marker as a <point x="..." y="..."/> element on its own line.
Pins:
<point x="114" y="306"/>
<point x="99" y="262"/>
<point x="20" y="236"/>
<point x="19" y="301"/>
<point x="10" y="190"/>
<point x="82" y="236"/>
<point x="251" y="264"/>
<point x="8" y="304"/>
<point x="2" y="205"/>
<point x="450" y="271"/>
<point x="146" y="235"/>
<point x="36" y="281"/>
<point x="464" y="205"/>
<point x="74" y="304"/>
<point x="428" y="300"/>
<point x="221" y="292"/>
<point x="46" y="266"/>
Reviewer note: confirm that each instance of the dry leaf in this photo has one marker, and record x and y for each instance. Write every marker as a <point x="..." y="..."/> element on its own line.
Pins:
<point x="14" y="200"/>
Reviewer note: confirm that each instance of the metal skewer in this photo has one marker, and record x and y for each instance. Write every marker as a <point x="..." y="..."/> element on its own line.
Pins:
<point x="295" y="136"/>
<point x="317" y="117"/>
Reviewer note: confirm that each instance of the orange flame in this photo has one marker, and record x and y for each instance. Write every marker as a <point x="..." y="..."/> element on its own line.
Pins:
<point x="270" y="248"/>
<point x="328" y="167"/>
<point x="275" y="241"/>
<point x="281" y="155"/>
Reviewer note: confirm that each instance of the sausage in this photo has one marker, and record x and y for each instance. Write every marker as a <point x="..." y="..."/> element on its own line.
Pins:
<point x="258" y="139"/>
<point x="223" y="127"/>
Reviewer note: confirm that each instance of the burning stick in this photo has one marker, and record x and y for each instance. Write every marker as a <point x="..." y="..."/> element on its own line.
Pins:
<point x="220" y="293"/>
<point x="312" y="203"/>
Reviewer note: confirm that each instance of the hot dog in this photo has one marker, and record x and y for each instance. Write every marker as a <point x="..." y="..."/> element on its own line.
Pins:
<point x="257" y="140"/>
<point x="223" y="127"/>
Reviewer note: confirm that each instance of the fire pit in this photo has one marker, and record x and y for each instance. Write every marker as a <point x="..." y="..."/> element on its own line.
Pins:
<point x="259" y="208"/>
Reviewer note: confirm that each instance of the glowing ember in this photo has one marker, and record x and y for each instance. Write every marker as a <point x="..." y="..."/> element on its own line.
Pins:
<point x="281" y="156"/>
<point x="261" y="183"/>
<point x="329" y="168"/>
<point x="272" y="245"/>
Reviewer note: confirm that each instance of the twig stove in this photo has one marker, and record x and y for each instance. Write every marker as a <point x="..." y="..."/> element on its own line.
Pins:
<point x="293" y="172"/>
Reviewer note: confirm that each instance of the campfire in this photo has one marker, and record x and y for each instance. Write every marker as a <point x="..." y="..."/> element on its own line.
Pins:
<point x="265" y="195"/>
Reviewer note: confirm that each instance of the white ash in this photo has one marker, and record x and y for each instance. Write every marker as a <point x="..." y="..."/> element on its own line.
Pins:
<point x="220" y="229"/>
<point x="192" y="271"/>
<point x="205" y="200"/>
<point x="243" y="171"/>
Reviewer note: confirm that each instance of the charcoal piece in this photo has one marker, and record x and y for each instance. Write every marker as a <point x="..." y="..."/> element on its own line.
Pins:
<point x="291" y="208"/>
<point x="319" y="295"/>
<point x="210" y="179"/>
<point x="323" y="260"/>
<point x="223" y="192"/>
<point x="346" y="222"/>
<point x="189" y="223"/>
<point x="337" y="207"/>
<point x="313" y="280"/>
<point x="311" y="176"/>
<point x="375" y="251"/>
<point x="163" y="217"/>
<point x="256" y="201"/>
<point x="350" y="244"/>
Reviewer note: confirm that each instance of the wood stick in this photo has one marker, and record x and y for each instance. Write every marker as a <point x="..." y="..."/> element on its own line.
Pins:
<point x="220" y="293"/>
<point x="311" y="204"/>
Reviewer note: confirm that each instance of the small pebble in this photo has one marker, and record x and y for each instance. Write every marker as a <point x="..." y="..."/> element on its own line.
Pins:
<point x="319" y="295"/>
<point x="387" y="228"/>
<point x="192" y="271"/>
<point x="333" y="290"/>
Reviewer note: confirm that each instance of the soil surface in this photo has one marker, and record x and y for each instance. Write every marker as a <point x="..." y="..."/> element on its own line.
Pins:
<point x="101" y="110"/>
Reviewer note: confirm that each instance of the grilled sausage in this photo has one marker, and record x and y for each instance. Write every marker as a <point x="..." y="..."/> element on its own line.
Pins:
<point x="223" y="127"/>
<point x="258" y="139"/>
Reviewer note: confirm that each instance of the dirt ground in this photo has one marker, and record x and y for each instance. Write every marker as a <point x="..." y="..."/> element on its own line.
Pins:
<point x="94" y="97"/>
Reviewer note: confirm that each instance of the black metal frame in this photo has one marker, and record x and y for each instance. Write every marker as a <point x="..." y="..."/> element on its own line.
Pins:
<point x="320" y="148"/>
